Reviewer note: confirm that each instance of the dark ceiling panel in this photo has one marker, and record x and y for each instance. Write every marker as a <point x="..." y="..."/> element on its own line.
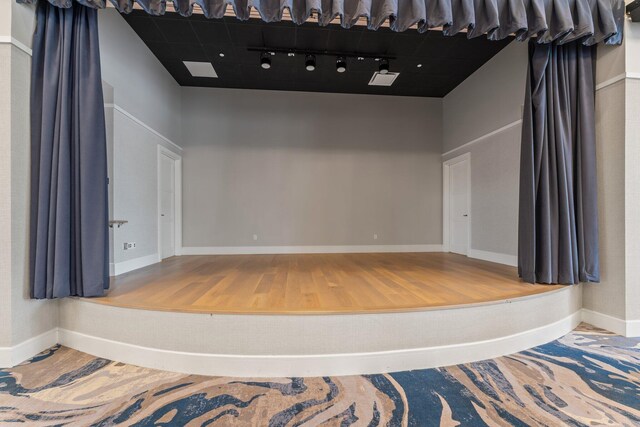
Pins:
<point x="429" y="64"/>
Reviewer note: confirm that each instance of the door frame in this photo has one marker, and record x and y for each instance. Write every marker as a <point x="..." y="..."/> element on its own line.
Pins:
<point x="177" y="161"/>
<point x="446" y="165"/>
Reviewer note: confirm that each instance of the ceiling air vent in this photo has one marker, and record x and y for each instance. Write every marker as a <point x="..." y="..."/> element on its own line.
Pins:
<point x="201" y="69"/>
<point x="380" y="79"/>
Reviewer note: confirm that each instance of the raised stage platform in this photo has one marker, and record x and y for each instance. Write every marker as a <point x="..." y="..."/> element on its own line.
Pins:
<point x="363" y="313"/>
<point x="317" y="283"/>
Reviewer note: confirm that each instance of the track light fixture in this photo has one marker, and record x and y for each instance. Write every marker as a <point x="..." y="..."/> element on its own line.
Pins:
<point x="384" y="66"/>
<point x="310" y="57"/>
<point x="310" y="62"/>
<point x="265" y="60"/>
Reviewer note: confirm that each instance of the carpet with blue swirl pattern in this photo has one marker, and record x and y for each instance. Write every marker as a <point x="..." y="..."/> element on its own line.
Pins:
<point x="588" y="377"/>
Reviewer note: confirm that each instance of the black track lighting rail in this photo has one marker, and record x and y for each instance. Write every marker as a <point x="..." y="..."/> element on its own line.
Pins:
<point x="319" y="52"/>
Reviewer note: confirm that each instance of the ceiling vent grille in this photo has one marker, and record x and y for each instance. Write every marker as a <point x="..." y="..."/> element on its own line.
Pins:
<point x="380" y="79"/>
<point x="201" y="69"/>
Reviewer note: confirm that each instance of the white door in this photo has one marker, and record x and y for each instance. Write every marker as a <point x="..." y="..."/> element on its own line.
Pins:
<point x="167" y="207"/>
<point x="459" y="207"/>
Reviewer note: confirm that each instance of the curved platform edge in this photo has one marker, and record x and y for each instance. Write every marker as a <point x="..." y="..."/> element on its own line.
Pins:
<point x="286" y="346"/>
<point x="316" y="365"/>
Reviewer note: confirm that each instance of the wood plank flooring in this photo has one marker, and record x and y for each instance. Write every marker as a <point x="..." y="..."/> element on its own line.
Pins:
<point x="316" y="283"/>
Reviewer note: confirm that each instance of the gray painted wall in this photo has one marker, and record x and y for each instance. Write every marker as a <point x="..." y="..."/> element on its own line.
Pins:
<point x="5" y="195"/>
<point x="489" y="99"/>
<point x="310" y="169"/>
<point x="485" y="102"/>
<point x="135" y="195"/>
<point x="618" y="130"/>
<point x="30" y="317"/>
<point x="147" y="92"/>
<point x="20" y="317"/>
<point x="608" y="296"/>
<point x="632" y="193"/>
<point x="141" y="84"/>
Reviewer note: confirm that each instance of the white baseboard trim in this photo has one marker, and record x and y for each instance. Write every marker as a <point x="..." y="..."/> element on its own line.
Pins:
<point x="315" y="365"/>
<point x="499" y="258"/>
<point x="255" y="250"/>
<point x="12" y="356"/>
<point x="626" y="328"/>
<point x="132" y="264"/>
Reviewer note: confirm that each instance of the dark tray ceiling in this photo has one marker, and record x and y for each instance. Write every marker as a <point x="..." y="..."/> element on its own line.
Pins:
<point x="446" y="61"/>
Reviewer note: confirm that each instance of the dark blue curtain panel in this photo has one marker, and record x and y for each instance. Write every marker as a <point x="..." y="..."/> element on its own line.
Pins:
<point x="559" y="21"/>
<point x="558" y="219"/>
<point x="69" y="205"/>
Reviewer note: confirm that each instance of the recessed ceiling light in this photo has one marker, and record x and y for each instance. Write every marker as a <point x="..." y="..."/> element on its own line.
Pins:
<point x="221" y="55"/>
<point x="419" y="65"/>
<point x="360" y="58"/>
<point x="201" y="69"/>
<point x="291" y="54"/>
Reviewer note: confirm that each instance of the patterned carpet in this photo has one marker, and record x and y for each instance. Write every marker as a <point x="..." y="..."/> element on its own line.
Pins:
<point x="588" y="377"/>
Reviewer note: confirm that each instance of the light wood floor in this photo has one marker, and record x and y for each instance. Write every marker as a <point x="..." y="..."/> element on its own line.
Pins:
<point x="316" y="283"/>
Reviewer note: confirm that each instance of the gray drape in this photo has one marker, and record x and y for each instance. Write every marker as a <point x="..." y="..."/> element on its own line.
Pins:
<point x="69" y="237"/>
<point x="561" y="21"/>
<point x="558" y="219"/>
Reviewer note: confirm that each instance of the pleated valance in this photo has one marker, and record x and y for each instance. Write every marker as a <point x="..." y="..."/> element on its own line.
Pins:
<point x="558" y="21"/>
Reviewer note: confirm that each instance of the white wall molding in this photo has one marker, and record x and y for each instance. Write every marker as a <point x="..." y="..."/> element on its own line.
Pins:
<point x="12" y="356"/>
<point x="606" y="83"/>
<point x="632" y="75"/>
<point x="616" y="79"/>
<point x="610" y="81"/>
<point x="143" y="124"/>
<point x="122" y="267"/>
<point x="316" y="365"/>
<point x="627" y="328"/>
<point x="483" y="137"/>
<point x="17" y="43"/>
<point x="499" y="258"/>
<point x="255" y="250"/>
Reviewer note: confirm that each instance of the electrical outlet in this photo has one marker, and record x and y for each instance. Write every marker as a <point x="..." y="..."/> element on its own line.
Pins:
<point x="129" y="245"/>
<point x="375" y="236"/>
<point x="255" y="237"/>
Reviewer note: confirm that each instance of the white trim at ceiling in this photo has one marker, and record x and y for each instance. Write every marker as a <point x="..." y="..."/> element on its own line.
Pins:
<point x="10" y="40"/>
<point x="143" y="124"/>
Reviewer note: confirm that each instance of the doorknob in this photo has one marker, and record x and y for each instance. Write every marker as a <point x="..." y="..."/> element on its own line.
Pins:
<point x="462" y="215"/>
